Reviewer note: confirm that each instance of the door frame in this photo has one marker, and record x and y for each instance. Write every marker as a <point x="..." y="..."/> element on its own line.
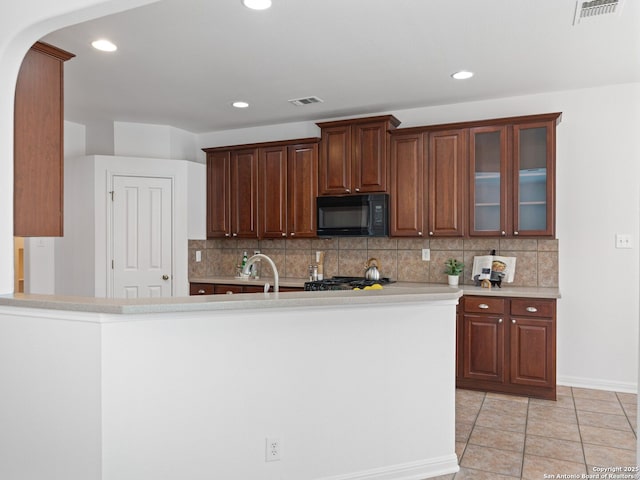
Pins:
<point x="109" y="230"/>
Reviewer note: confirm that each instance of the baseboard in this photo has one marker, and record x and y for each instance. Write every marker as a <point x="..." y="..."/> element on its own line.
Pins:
<point x="406" y="471"/>
<point x="597" y="384"/>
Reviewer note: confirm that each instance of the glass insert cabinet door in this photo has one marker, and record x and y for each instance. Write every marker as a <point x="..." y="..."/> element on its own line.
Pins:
<point x="533" y="179"/>
<point x="488" y="186"/>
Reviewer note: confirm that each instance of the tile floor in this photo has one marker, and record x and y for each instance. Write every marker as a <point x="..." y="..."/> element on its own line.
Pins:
<point x="501" y="437"/>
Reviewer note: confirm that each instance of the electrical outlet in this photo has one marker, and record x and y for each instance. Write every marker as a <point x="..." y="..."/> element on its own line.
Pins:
<point x="426" y="254"/>
<point x="272" y="451"/>
<point x="623" y="240"/>
<point x="198" y="255"/>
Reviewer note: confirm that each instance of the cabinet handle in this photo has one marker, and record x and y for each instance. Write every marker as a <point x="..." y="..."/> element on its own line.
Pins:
<point x="499" y="320"/>
<point x="419" y="234"/>
<point x="483" y="306"/>
<point x="531" y="309"/>
<point x="201" y="291"/>
<point x="513" y="320"/>
<point x="516" y="233"/>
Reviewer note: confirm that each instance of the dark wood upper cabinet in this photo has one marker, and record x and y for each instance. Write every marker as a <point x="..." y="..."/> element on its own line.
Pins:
<point x="262" y="190"/>
<point x="407" y="211"/>
<point x="446" y="180"/>
<point x="354" y="155"/>
<point x="38" y="143"/>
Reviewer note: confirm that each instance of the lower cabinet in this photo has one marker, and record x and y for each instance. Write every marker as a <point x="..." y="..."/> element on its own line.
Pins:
<point x="507" y="345"/>
<point x="223" y="288"/>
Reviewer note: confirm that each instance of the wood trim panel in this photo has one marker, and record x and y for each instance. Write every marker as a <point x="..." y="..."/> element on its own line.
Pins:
<point x="278" y="143"/>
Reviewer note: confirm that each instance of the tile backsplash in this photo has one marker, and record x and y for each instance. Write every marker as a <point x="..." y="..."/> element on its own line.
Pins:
<point x="399" y="258"/>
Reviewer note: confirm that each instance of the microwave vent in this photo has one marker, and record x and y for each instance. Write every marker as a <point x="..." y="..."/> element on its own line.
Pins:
<point x="595" y="8"/>
<point x="306" y="101"/>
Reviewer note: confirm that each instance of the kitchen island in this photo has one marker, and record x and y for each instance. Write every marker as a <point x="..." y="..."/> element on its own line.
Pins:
<point x="351" y="384"/>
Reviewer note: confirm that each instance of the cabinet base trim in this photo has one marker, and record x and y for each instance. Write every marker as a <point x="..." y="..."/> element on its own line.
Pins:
<point x="598" y="384"/>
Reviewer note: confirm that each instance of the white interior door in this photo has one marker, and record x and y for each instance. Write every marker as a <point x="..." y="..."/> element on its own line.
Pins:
<point x="142" y="234"/>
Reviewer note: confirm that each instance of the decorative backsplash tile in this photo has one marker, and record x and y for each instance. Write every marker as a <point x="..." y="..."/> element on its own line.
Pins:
<point x="399" y="258"/>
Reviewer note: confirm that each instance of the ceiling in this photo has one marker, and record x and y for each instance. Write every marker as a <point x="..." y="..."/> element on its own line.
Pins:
<point x="183" y="62"/>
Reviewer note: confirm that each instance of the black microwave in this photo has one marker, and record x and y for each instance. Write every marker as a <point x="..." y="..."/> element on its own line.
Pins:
<point x="353" y="216"/>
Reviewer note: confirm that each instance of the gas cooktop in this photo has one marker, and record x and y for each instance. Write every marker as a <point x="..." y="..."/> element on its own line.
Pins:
<point x="343" y="283"/>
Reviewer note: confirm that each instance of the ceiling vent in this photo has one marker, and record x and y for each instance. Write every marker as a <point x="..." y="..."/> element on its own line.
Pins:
<point x="595" y="8"/>
<point x="306" y="101"/>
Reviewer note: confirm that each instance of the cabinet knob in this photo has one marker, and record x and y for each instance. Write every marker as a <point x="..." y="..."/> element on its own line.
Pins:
<point x="229" y="292"/>
<point x="516" y="233"/>
<point x="431" y="234"/>
<point x="357" y="189"/>
<point x="284" y="234"/>
<point x="293" y="234"/>
<point x="499" y="320"/>
<point x="531" y="309"/>
<point x="348" y="190"/>
<point x="226" y="235"/>
<point x="503" y="233"/>
<point x="483" y="306"/>
<point x="419" y="234"/>
<point x="235" y="235"/>
<point x="201" y="291"/>
<point x="513" y="320"/>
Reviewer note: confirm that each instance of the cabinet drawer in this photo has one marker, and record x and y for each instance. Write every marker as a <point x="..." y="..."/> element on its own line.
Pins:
<point x="222" y="289"/>
<point x="201" y="289"/>
<point x="533" y="307"/>
<point x="484" y="304"/>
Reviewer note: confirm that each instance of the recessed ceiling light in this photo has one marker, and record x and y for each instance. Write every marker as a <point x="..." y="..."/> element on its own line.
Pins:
<point x="462" y="75"/>
<point x="104" y="45"/>
<point x="240" y="104"/>
<point x="257" y="4"/>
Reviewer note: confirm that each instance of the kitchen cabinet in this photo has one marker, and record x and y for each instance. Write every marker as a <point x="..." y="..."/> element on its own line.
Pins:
<point x="232" y="193"/>
<point x="407" y="210"/>
<point x="428" y="175"/>
<point x="288" y="190"/>
<point x="38" y="143"/>
<point x="512" y="178"/>
<point x="354" y="155"/>
<point x="508" y="345"/>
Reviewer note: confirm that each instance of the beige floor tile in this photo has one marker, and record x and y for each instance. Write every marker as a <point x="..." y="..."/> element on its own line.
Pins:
<point x="472" y="474"/>
<point x="554" y="448"/>
<point x="461" y="393"/>
<point x="555" y="414"/>
<point x="633" y="420"/>
<point x="492" y="460"/>
<point x="600" y="456"/>
<point x="500" y="439"/>
<point x="561" y="401"/>
<point x="502" y="421"/>
<point x="450" y="476"/>
<point x="562" y="390"/>
<point x="460" y="446"/>
<point x="604" y="420"/>
<point x="630" y="408"/>
<point x="508" y="398"/>
<point x="465" y="415"/>
<point x="551" y="429"/>
<point x="594" y="394"/>
<point x="600" y="406"/>
<point x="535" y="468"/>
<point x="463" y="430"/>
<point x="627" y="397"/>
<point x="608" y="437"/>
<point x="504" y="406"/>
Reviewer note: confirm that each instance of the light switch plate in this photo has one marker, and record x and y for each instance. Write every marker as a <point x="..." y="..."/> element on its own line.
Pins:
<point x="426" y="254"/>
<point x="623" y="240"/>
<point x="198" y="255"/>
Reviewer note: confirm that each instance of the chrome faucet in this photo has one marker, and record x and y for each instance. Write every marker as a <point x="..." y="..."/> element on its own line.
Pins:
<point x="256" y="258"/>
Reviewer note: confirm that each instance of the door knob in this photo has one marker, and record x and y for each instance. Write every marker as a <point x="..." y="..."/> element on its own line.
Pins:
<point x="165" y="277"/>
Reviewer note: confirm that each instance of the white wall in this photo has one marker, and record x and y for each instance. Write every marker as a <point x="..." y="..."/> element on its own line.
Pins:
<point x="153" y="141"/>
<point x="598" y="167"/>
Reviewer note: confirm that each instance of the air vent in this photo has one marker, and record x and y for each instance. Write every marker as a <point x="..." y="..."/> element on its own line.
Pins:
<point x="595" y="8"/>
<point x="306" y="101"/>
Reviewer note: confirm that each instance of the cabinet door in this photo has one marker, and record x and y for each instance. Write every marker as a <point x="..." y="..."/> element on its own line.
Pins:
<point x="218" y="195"/>
<point x="244" y="193"/>
<point x="534" y="179"/>
<point x="407" y="185"/>
<point x="369" y="167"/>
<point x="488" y="180"/>
<point x="38" y="144"/>
<point x="201" y="289"/>
<point x="302" y="168"/>
<point x="484" y="345"/>
<point x="533" y="349"/>
<point x="335" y="161"/>
<point x="446" y="183"/>
<point x="273" y="192"/>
